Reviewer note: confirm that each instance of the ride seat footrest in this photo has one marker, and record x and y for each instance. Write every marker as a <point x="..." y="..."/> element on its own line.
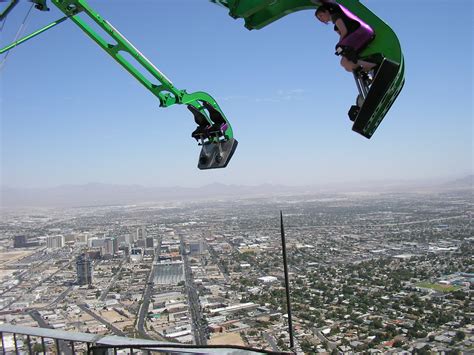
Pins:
<point x="216" y="155"/>
<point x="367" y="121"/>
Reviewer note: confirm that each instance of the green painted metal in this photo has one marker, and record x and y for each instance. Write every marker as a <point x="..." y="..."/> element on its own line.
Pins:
<point x="34" y="34"/>
<point x="264" y="12"/>
<point x="246" y="8"/>
<point x="387" y="44"/>
<point x="165" y="90"/>
<point x="167" y="93"/>
<point x="387" y="101"/>
<point x="7" y="9"/>
<point x="260" y="13"/>
<point x="195" y="100"/>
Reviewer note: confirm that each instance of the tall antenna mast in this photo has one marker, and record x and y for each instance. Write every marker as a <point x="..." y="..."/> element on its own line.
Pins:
<point x="287" y="282"/>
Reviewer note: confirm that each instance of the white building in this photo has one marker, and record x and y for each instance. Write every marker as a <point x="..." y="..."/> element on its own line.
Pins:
<point x="55" y="242"/>
<point x="268" y="279"/>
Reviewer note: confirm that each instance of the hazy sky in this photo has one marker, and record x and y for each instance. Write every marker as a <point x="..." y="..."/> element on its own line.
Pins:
<point x="71" y="115"/>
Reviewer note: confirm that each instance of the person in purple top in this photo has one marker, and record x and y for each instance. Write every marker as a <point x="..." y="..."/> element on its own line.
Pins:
<point x="354" y="35"/>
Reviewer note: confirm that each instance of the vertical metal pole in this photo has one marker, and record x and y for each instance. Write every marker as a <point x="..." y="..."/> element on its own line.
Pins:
<point x="359" y="87"/>
<point x="131" y="351"/>
<point x="16" y="346"/>
<point x="364" y="87"/>
<point x="72" y="347"/>
<point x="287" y="283"/>
<point x="28" y="342"/>
<point x="3" y="344"/>
<point x="57" y="346"/>
<point x="43" y="345"/>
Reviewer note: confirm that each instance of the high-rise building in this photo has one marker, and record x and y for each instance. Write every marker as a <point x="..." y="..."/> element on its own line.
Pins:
<point x="141" y="233"/>
<point x="110" y="246"/>
<point x="149" y="242"/>
<point x="22" y="241"/>
<point x="55" y="241"/>
<point x="116" y="245"/>
<point x="84" y="270"/>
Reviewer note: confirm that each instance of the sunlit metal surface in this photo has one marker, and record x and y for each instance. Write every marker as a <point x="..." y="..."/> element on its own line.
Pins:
<point x="100" y="344"/>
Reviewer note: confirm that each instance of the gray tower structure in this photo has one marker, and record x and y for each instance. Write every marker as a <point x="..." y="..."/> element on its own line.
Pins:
<point x="84" y="270"/>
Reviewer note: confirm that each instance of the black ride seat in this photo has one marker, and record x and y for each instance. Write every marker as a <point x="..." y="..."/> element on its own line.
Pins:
<point x="214" y="114"/>
<point x="201" y="131"/>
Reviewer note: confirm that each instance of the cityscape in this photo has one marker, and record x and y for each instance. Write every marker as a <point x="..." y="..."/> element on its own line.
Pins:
<point x="372" y="272"/>
<point x="236" y="177"/>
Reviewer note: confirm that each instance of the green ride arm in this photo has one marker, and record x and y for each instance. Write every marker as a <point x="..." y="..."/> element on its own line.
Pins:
<point x="165" y="91"/>
<point x="9" y="8"/>
<point x="260" y="13"/>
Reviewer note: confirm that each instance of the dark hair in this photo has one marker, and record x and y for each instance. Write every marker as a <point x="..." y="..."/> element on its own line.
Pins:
<point x="321" y="8"/>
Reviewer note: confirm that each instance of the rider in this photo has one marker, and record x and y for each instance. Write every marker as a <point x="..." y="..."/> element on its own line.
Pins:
<point x="354" y="35"/>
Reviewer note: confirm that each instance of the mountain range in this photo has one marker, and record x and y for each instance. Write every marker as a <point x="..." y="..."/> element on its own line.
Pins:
<point x="96" y="194"/>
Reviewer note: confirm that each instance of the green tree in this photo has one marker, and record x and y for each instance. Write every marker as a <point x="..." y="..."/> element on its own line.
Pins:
<point x="398" y="343"/>
<point x="460" y="335"/>
<point x="38" y="348"/>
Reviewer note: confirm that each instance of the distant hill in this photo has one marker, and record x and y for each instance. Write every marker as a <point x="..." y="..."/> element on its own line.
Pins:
<point x="95" y="194"/>
<point x="465" y="182"/>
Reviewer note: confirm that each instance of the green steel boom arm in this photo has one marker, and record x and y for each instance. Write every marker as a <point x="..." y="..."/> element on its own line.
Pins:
<point x="214" y="131"/>
<point x="166" y="92"/>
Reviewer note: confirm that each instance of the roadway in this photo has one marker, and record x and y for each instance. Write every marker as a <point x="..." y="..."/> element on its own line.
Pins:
<point x="143" y="310"/>
<point x="331" y="345"/>
<point x="60" y="298"/>
<point x="37" y="317"/>
<point x="94" y="315"/>
<point x="104" y="293"/>
<point x="29" y="290"/>
<point x="198" y="325"/>
<point x="215" y="259"/>
<point x="63" y="347"/>
<point x="271" y="340"/>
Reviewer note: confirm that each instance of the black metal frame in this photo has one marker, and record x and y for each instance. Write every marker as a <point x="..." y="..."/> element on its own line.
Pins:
<point x="101" y="349"/>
